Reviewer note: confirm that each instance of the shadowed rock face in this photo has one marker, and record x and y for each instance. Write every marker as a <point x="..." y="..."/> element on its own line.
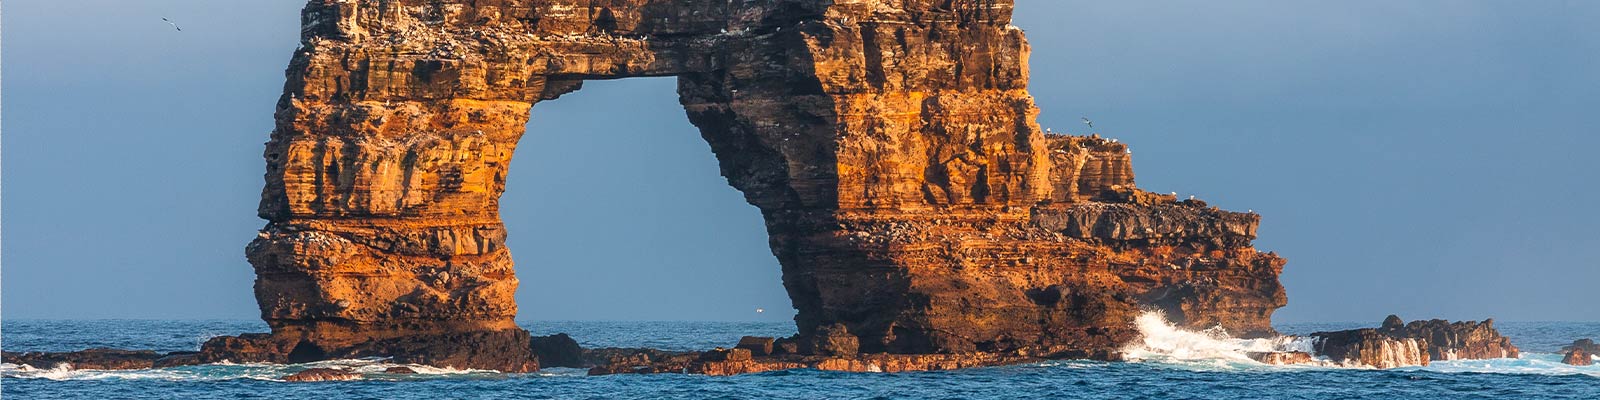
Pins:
<point x="912" y="200"/>
<point x="1399" y="344"/>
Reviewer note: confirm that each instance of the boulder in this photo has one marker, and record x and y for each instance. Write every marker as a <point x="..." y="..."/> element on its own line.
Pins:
<point x="830" y="340"/>
<point x="760" y="346"/>
<point x="1579" y="357"/>
<point x="1282" y="357"/>
<point x="559" y="350"/>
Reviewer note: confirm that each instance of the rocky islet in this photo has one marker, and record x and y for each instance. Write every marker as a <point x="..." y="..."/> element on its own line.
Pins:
<point x="922" y="218"/>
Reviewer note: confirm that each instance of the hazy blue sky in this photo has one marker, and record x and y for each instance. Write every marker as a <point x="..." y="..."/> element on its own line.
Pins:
<point x="1426" y="158"/>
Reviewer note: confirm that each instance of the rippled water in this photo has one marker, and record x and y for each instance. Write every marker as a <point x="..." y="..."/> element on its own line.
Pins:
<point x="1189" y="367"/>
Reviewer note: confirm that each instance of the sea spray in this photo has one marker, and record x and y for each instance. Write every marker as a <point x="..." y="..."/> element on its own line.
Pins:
<point x="1161" y="341"/>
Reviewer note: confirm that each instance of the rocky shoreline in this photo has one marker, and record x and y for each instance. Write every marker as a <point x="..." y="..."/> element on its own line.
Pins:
<point x="1394" y="344"/>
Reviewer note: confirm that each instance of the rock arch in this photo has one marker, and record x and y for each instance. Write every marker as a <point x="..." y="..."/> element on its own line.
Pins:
<point x="912" y="201"/>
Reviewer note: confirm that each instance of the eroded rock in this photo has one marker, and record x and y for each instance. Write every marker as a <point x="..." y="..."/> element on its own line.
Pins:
<point x="106" y="359"/>
<point x="559" y="350"/>
<point x="321" y="375"/>
<point x="1581" y="352"/>
<point x="917" y="208"/>
<point x="1416" y="343"/>
<point x="1282" y="357"/>
<point x="759" y="346"/>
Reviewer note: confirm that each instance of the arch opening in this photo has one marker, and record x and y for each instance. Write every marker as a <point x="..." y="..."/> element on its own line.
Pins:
<point x="615" y="209"/>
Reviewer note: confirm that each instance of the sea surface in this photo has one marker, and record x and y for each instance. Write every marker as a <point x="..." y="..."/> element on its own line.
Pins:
<point x="1170" y="363"/>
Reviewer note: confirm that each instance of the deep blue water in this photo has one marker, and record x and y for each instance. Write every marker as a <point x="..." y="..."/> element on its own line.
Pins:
<point x="1536" y="375"/>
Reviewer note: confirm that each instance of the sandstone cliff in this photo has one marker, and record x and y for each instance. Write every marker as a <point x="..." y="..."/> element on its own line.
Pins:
<point x="912" y="201"/>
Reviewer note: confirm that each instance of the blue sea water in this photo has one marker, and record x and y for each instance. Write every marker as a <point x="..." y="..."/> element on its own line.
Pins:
<point x="1173" y="364"/>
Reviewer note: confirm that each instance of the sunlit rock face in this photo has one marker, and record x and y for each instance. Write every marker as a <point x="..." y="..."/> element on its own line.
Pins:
<point x="891" y="145"/>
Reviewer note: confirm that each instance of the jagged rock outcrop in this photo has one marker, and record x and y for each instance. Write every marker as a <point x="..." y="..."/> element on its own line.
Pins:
<point x="1581" y="352"/>
<point x="1398" y="344"/>
<point x="914" y="204"/>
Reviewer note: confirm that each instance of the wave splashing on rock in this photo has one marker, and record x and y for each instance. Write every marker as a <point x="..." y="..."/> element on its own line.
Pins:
<point x="1162" y="341"/>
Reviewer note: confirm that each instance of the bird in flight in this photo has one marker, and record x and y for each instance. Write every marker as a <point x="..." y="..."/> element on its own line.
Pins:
<point x="760" y="310"/>
<point x="1086" y="121"/>
<point x="174" y="24"/>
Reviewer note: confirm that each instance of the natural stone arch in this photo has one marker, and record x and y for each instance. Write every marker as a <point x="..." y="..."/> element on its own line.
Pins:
<point x="911" y="199"/>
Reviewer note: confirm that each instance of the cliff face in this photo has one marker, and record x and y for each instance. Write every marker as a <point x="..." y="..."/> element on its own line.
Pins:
<point x="911" y="199"/>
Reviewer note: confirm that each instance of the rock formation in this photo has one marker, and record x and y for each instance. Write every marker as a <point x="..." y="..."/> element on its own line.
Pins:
<point x="916" y="208"/>
<point x="1398" y="344"/>
<point x="912" y="201"/>
<point x="99" y="359"/>
<point x="1282" y="357"/>
<point x="1580" y="353"/>
<point x="321" y="375"/>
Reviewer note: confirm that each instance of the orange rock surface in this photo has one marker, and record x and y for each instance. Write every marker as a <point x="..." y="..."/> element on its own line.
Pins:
<point x="912" y="199"/>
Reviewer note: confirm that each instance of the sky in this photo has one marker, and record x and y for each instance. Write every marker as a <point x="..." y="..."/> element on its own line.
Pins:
<point x="1431" y="158"/>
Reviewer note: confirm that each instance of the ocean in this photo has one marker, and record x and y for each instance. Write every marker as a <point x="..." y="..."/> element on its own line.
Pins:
<point x="1169" y="363"/>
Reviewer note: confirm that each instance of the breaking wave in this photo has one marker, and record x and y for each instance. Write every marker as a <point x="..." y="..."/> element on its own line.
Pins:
<point x="1161" y="341"/>
<point x="1213" y="349"/>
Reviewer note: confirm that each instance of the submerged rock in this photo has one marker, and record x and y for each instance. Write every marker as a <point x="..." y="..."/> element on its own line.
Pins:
<point x="322" y="375"/>
<point x="107" y="359"/>
<point x="1282" y="357"/>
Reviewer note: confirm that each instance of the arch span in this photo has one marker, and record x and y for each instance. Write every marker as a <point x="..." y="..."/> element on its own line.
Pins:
<point x="912" y="201"/>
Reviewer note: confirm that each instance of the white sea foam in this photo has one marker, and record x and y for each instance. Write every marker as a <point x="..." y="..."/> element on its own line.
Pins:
<point x="372" y="369"/>
<point x="1213" y="349"/>
<point x="1161" y="341"/>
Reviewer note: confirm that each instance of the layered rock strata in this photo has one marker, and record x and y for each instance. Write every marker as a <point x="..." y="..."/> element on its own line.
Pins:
<point x="1398" y="344"/>
<point x="891" y="146"/>
<point x="912" y="200"/>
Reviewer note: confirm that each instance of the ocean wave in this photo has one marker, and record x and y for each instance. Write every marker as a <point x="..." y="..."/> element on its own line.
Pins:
<point x="1161" y="341"/>
<point x="370" y="369"/>
<point x="1164" y="343"/>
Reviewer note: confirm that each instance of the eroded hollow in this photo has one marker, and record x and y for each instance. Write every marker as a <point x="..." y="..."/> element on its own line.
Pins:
<point x="616" y="210"/>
